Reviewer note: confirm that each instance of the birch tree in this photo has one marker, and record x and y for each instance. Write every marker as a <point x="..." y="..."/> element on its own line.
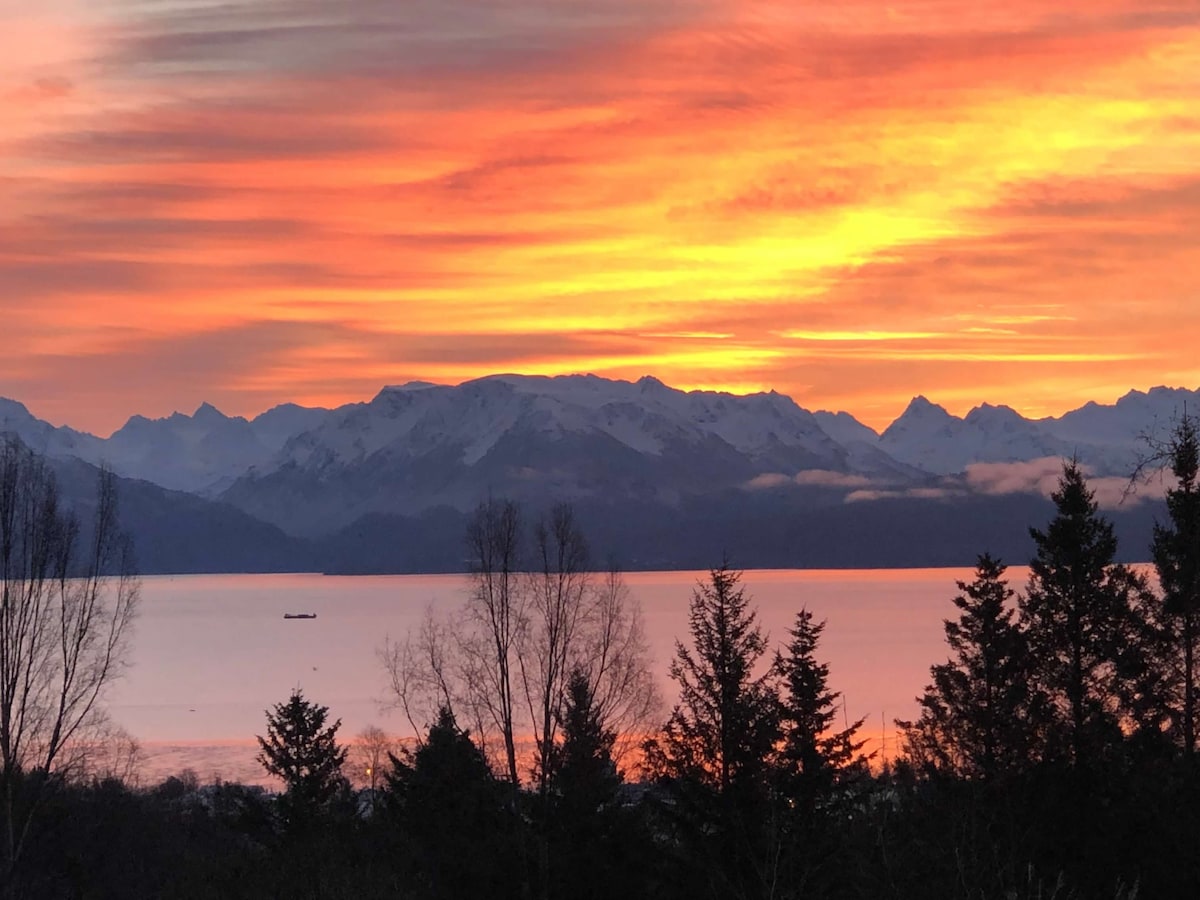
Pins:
<point x="67" y="599"/>
<point x="494" y="621"/>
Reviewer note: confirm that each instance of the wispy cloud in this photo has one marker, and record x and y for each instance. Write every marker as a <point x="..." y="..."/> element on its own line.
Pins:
<point x="922" y="493"/>
<point x="1041" y="476"/>
<point x="852" y="203"/>
<point x="809" y="478"/>
<point x="1037" y="477"/>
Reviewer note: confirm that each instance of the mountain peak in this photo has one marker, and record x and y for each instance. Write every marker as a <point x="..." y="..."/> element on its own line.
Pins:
<point x="920" y="405"/>
<point x="136" y="421"/>
<point x="987" y="412"/>
<point x="13" y="408"/>
<point x="206" y="412"/>
<point x="407" y="386"/>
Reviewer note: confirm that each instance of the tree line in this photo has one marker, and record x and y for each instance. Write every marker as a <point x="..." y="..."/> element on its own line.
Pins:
<point x="1054" y="753"/>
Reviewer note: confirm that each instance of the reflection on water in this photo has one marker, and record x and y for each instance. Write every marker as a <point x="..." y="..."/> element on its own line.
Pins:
<point x="212" y="652"/>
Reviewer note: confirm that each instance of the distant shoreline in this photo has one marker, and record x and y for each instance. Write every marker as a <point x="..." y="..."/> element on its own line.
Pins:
<point x="1138" y="563"/>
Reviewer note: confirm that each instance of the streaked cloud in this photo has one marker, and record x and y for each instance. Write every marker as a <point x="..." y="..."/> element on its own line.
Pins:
<point x="921" y="493"/>
<point x="860" y="336"/>
<point x="851" y="203"/>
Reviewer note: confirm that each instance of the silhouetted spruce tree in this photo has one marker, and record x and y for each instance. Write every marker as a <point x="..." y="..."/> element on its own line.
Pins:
<point x="977" y="715"/>
<point x="302" y="751"/>
<point x="1176" y="553"/>
<point x="591" y="838"/>
<point x="814" y="763"/>
<point x="713" y="755"/>
<point x="453" y="815"/>
<point x="722" y="731"/>
<point x="583" y="775"/>
<point x="1078" y="615"/>
<point x="814" y="755"/>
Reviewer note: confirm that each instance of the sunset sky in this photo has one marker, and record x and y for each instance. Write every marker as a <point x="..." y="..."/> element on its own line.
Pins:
<point x="253" y="201"/>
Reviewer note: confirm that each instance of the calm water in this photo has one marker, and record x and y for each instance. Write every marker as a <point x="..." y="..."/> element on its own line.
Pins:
<point x="212" y="653"/>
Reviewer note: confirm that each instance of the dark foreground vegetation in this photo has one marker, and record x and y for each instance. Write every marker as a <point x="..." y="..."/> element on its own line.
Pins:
<point x="1054" y="755"/>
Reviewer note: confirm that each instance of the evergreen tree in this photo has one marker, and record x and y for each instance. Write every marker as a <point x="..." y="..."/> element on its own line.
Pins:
<point x="304" y="753"/>
<point x="1079" y="618"/>
<point x="722" y="731"/>
<point x="812" y="762"/>
<point x="713" y="755"/>
<point x="976" y="715"/>
<point x="583" y="774"/>
<point x="453" y="815"/>
<point x="592" y="839"/>
<point x="1176" y="553"/>
<point x="814" y="756"/>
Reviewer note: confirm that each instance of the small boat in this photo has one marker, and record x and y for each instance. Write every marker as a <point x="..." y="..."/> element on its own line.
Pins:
<point x="299" y="615"/>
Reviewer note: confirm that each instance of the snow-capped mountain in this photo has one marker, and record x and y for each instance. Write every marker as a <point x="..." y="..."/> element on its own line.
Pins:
<point x="928" y="437"/>
<point x="844" y="428"/>
<point x="42" y="436"/>
<point x="647" y="417"/>
<point x="206" y="451"/>
<point x="419" y="445"/>
<point x="1115" y="437"/>
<point x="201" y="453"/>
<point x="863" y="452"/>
<point x="1109" y="439"/>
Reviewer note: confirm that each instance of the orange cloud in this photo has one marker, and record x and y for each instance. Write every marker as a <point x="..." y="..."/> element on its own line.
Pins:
<point x="853" y="204"/>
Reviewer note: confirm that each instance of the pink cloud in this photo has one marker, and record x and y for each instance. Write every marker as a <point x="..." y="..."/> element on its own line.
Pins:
<point x="1040" y="476"/>
<point x="938" y="493"/>
<point x="1036" y="476"/>
<point x="808" y="478"/>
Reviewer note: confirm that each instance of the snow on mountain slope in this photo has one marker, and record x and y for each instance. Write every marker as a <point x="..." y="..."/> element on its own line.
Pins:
<point x="205" y="451"/>
<point x="928" y="437"/>
<point x="43" y="437"/>
<point x="277" y="425"/>
<point x="647" y="417"/>
<point x="1124" y="422"/>
<point x="1006" y="436"/>
<point x="572" y="430"/>
<point x="844" y="428"/>
<point x="417" y="446"/>
<point x="925" y="436"/>
<point x="185" y="452"/>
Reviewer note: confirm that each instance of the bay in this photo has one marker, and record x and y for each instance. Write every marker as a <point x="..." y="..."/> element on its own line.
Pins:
<point x="211" y="653"/>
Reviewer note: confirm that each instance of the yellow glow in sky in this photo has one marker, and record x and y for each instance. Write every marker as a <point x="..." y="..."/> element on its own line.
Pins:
<point x="849" y="203"/>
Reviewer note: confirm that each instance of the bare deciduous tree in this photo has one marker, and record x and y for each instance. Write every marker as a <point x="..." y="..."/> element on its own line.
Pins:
<point x="64" y="620"/>
<point x="502" y="661"/>
<point x="421" y="671"/>
<point x="369" y="756"/>
<point x="112" y="754"/>
<point x="616" y="660"/>
<point x="557" y="611"/>
<point x="495" y="619"/>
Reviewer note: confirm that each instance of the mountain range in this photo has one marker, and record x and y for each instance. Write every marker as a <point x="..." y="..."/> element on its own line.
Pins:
<point x="660" y="476"/>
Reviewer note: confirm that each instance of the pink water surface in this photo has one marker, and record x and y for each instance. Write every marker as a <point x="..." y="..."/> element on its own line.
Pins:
<point x="212" y="652"/>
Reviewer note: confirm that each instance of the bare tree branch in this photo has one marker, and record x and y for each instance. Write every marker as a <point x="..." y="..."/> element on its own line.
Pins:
<point x="64" y="626"/>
